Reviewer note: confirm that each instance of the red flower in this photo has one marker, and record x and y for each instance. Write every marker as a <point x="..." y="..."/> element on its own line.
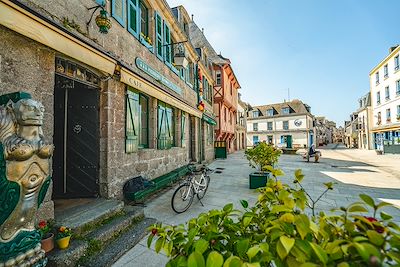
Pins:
<point x="378" y="229"/>
<point x="154" y="231"/>
<point x="42" y="224"/>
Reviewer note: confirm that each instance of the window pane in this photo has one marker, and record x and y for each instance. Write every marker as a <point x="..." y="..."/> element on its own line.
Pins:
<point x="144" y="19"/>
<point x="132" y="122"/>
<point x="144" y="120"/>
<point x="133" y="18"/>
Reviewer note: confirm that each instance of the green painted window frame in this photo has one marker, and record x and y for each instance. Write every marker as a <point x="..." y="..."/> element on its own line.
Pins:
<point x="120" y="20"/>
<point x="133" y="17"/>
<point x="146" y="30"/>
<point x="167" y="45"/>
<point x="133" y="121"/>
<point x="165" y="126"/>
<point x="183" y="128"/>
<point x="159" y="36"/>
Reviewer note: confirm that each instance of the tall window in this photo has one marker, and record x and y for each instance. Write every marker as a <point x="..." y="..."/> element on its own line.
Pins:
<point x="136" y="122"/>
<point x="285" y="110"/>
<point x="269" y="126"/>
<point x="387" y="93"/>
<point x="159" y="38"/>
<point x="386" y="71"/>
<point x="396" y="62"/>
<point x="255" y="114"/>
<point x="270" y="112"/>
<point x="167" y="45"/>
<point x="378" y="98"/>
<point x="144" y="19"/>
<point x="285" y="125"/>
<point x="398" y="87"/>
<point x="255" y="127"/>
<point x="398" y="112"/>
<point x="379" y="118"/>
<point x="133" y="18"/>
<point x="218" y="77"/>
<point x="210" y="134"/>
<point x="165" y="126"/>
<point x="377" y="77"/>
<point x="388" y="117"/>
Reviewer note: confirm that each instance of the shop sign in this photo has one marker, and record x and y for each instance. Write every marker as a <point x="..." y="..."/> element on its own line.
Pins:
<point x="158" y="76"/>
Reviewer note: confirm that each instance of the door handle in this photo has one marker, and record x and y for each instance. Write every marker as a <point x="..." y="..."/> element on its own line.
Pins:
<point x="77" y="128"/>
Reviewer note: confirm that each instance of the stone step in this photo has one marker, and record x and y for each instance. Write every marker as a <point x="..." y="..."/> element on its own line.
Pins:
<point x="121" y="245"/>
<point x="81" y="218"/>
<point x="97" y="239"/>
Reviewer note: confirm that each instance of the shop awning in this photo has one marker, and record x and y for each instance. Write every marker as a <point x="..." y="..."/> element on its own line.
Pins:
<point x="141" y="84"/>
<point x="209" y="120"/>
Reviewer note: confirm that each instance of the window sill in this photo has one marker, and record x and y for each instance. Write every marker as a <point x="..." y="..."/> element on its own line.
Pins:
<point x="145" y="43"/>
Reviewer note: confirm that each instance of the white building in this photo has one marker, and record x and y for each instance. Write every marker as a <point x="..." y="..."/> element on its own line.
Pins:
<point x="385" y="96"/>
<point x="288" y="124"/>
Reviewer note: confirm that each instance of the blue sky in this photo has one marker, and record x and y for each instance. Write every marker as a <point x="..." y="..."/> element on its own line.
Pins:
<point x="323" y="50"/>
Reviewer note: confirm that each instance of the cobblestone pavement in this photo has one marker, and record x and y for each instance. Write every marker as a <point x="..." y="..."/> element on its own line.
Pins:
<point x="354" y="171"/>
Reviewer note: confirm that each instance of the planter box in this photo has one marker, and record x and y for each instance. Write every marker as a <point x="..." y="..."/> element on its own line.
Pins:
<point x="258" y="179"/>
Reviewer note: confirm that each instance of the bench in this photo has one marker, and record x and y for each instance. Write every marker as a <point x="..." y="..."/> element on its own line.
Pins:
<point x="158" y="184"/>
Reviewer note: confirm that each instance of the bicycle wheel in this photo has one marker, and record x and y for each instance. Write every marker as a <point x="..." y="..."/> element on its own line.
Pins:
<point x="182" y="198"/>
<point x="202" y="193"/>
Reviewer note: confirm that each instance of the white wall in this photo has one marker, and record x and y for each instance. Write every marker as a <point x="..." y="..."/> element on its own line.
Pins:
<point x="384" y="82"/>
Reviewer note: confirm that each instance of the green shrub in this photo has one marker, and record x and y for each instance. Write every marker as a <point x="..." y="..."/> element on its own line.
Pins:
<point x="278" y="229"/>
<point x="262" y="156"/>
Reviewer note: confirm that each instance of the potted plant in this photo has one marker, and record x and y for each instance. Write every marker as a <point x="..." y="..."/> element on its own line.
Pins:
<point x="262" y="157"/>
<point x="63" y="237"/>
<point x="47" y="240"/>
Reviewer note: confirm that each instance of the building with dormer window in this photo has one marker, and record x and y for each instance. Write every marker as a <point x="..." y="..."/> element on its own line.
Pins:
<point x="385" y="102"/>
<point x="287" y="124"/>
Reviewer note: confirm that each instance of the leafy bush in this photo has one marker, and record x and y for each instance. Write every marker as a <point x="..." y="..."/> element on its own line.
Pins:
<point x="262" y="156"/>
<point x="278" y="229"/>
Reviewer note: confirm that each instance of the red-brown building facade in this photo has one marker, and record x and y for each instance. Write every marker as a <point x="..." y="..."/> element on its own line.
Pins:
<point x="225" y="102"/>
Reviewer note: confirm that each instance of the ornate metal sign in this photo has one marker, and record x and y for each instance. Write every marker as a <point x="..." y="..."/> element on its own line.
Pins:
<point x="24" y="180"/>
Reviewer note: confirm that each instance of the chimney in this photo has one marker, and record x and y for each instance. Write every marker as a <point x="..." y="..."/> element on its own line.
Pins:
<point x="192" y="17"/>
<point x="391" y="49"/>
<point x="202" y="30"/>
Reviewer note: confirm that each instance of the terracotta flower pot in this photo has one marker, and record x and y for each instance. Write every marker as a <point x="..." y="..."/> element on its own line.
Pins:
<point x="48" y="243"/>
<point x="63" y="243"/>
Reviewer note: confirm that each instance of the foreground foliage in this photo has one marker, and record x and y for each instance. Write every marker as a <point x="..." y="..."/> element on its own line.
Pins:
<point x="278" y="229"/>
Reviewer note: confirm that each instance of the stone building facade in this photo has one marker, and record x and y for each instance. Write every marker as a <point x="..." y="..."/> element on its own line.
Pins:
<point x="118" y="105"/>
<point x="241" y="125"/>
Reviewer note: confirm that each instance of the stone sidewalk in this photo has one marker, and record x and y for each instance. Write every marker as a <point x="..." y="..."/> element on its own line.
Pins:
<point x="353" y="175"/>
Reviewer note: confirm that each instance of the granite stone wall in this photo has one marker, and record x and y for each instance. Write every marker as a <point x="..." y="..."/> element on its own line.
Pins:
<point x="28" y="66"/>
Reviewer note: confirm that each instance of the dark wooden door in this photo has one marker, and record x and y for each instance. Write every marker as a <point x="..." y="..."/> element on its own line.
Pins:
<point x="76" y="137"/>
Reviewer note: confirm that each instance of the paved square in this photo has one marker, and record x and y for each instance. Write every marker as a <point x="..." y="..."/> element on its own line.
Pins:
<point x="355" y="172"/>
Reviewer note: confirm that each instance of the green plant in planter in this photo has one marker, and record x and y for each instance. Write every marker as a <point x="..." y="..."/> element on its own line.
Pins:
<point x="278" y="230"/>
<point x="262" y="157"/>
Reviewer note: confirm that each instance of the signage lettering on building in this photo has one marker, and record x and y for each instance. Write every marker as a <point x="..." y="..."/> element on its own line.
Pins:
<point x="156" y="75"/>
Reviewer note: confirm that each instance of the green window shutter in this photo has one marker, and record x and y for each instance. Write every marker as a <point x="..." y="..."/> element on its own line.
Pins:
<point x="159" y="36"/>
<point x="144" y="121"/>
<point x="165" y="126"/>
<point x="118" y="11"/>
<point x="161" y="135"/>
<point x="183" y="126"/>
<point x="132" y="122"/>
<point x="133" y="17"/>
<point x="170" y="127"/>
<point x="167" y="45"/>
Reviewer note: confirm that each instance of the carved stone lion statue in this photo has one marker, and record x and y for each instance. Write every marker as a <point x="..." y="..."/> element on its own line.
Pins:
<point x="24" y="180"/>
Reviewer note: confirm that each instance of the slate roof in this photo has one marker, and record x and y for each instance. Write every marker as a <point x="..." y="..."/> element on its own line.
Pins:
<point x="198" y="40"/>
<point x="296" y="107"/>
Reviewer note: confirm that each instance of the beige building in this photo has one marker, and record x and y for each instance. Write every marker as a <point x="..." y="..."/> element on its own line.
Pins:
<point x="364" y="117"/>
<point x="385" y="101"/>
<point x="287" y="124"/>
<point x="241" y="125"/>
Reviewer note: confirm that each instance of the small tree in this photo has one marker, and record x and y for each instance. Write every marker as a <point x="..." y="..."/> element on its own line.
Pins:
<point x="262" y="156"/>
